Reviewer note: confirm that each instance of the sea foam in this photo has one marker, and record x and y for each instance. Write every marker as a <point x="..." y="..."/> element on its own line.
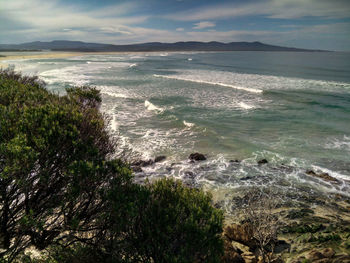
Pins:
<point x="209" y="83"/>
<point x="151" y="107"/>
<point x="188" y="124"/>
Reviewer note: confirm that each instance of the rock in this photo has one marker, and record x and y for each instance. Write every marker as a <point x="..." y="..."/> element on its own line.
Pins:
<point x="262" y="161"/>
<point x="328" y="252"/>
<point x="143" y="163"/>
<point x="324" y="260"/>
<point x="190" y="174"/>
<point x="235" y="161"/>
<point x="310" y="172"/>
<point x="240" y="247"/>
<point x="232" y="254"/>
<point x="246" y="178"/>
<point x="299" y="213"/>
<point x="322" y="256"/>
<point x="324" y="176"/>
<point x="241" y="233"/>
<point x="342" y="259"/>
<point x="197" y="157"/>
<point x="159" y="158"/>
<point x="232" y="257"/>
<point x="249" y="257"/>
<point x="281" y="246"/>
<point x="314" y="255"/>
<point x="137" y="169"/>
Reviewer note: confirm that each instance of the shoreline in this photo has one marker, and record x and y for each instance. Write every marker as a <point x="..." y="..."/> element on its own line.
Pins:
<point x="50" y="55"/>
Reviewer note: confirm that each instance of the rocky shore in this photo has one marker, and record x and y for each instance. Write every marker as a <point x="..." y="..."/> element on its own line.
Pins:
<point x="309" y="228"/>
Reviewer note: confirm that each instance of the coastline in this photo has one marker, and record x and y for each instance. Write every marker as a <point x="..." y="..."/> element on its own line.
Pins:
<point x="36" y="56"/>
<point x="49" y="55"/>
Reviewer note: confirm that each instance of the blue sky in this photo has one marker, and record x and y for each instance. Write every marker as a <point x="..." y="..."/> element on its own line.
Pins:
<point x="319" y="24"/>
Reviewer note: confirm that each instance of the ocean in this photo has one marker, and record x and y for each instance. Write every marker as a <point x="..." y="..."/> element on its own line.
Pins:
<point x="290" y="108"/>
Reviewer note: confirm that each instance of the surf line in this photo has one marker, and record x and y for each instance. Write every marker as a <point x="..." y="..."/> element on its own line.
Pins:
<point x="210" y="83"/>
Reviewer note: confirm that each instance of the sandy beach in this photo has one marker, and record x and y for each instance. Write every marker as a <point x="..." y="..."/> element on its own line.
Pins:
<point x="46" y="55"/>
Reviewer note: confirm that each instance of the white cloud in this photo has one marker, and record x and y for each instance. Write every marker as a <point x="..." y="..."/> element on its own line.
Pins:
<point x="113" y="30"/>
<point x="43" y="18"/>
<point x="204" y="24"/>
<point x="282" y="9"/>
<point x="180" y="29"/>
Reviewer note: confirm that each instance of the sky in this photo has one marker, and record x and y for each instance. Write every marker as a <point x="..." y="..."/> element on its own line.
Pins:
<point x="315" y="24"/>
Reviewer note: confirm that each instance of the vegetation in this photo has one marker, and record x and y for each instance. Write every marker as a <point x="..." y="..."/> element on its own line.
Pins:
<point x="62" y="192"/>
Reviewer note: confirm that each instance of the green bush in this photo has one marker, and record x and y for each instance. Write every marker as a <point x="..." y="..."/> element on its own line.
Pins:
<point x="175" y="223"/>
<point x="55" y="169"/>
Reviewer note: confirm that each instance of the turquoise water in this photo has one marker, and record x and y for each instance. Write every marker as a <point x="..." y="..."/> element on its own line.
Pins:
<point x="291" y="108"/>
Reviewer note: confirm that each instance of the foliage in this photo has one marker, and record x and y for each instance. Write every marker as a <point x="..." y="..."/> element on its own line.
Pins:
<point x="170" y="223"/>
<point x="54" y="166"/>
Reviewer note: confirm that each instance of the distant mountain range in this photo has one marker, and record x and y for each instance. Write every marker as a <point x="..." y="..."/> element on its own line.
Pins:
<point x="78" y="46"/>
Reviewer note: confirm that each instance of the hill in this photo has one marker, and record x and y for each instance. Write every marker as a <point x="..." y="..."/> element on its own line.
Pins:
<point x="64" y="45"/>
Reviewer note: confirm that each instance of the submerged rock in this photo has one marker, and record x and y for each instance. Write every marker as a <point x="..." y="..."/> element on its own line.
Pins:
<point x="197" y="157"/>
<point x="190" y="174"/>
<point x="324" y="176"/>
<point x="142" y="163"/>
<point x="262" y="161"/>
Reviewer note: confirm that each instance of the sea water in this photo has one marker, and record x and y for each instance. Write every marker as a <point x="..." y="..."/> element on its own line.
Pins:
<point x="290" y="108"/>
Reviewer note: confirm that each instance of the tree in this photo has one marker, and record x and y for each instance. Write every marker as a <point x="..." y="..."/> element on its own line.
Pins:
<point x="263" y="222"/>
<point x="55" y="165"/>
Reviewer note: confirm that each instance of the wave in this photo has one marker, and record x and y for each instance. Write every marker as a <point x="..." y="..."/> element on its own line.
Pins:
<point x="339" y="144"/>
<point x="334" y="174"/>
<point x="245" y="106"/>
<point x="113" y="91"/>
<point x="188" y="124"/>
<point x="47" y="63"/>
<point x="209" y="83"/>
<point x="133" y="65"/>
<point x="116" y="95"/>
<point x="258" y="82"/>
<point x="151" y="107"/>
<point x="71" y="75"/>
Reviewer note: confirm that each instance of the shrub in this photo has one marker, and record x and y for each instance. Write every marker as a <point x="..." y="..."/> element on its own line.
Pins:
<point x="55" y="169"/>
<point x="175" y="223"/>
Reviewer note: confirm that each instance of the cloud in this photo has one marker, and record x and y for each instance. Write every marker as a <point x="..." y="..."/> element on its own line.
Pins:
<point x="180" y="29"/>
<point x="114" y="30"/>
<point x="204" y="24"/>
<point x="281" y="9"/>
<point x="44" y="18"/>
